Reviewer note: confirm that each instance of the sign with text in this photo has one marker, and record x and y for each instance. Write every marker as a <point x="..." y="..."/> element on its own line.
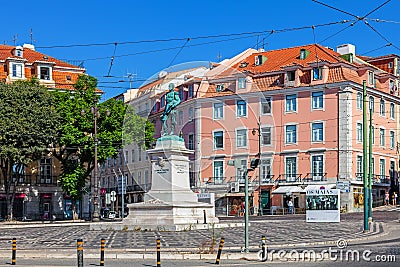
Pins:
<point x="323" y="205"/>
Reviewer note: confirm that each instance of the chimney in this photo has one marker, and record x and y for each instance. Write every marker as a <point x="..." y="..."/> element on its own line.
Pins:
<point x="345" y="49"/>
<point x="29" y="46"/>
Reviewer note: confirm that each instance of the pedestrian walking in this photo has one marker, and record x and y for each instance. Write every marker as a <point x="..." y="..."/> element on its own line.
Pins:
<point x="387" y="198"/>
<point x="394" y="199"/>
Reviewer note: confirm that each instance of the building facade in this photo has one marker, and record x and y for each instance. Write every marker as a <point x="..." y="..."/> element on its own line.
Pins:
<point x="38" y="193"/>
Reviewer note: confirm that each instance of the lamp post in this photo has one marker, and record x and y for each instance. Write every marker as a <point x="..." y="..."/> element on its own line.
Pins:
<point x="96" y="114"/>
<point x="254" y="132"/>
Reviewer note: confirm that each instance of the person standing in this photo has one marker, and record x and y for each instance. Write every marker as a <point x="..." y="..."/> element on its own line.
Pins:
<point x="394" y="199"/>
<point x="290" y="205"/>
<point x="387" y="198"/>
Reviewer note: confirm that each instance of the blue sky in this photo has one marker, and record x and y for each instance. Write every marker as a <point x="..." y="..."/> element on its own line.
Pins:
<point x="70" y="23"/>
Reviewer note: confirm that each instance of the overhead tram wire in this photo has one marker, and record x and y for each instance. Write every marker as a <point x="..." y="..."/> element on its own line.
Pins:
<point x="219" y="41"/>
<point x="380" y="35"/>
<point x="180" y="50"/>
<point x="376" y="49"/>
<point x="191" y="38"/>
<point x="112" y="60"/>
<point x="345" y="12"/>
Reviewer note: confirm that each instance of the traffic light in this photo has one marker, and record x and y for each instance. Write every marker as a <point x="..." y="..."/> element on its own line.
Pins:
<point x="254" y="163"/>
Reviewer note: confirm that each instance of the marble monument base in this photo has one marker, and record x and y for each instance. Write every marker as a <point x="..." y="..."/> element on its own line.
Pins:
<point x="170" y="204"/>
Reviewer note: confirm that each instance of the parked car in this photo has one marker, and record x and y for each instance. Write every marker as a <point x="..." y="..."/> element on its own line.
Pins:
<point x="112" y="215"/>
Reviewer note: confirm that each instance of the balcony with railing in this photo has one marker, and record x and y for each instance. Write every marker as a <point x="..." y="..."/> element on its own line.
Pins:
<point x="315" y="177"/>
<point x="46" y="180"/>
<point x="215" y="180"/>
<point x="22" y="179"/>
<point x="376" y="178"/>
<point x="288" y="178"/>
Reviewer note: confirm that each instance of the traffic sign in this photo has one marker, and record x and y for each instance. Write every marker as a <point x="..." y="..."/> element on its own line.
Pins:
<point x="112" y="197"/>
<point x="108" y="198"/>
<point x="344" y="186"/>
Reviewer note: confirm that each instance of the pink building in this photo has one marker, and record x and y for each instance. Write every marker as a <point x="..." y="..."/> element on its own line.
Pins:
<point x="300" y="109"/>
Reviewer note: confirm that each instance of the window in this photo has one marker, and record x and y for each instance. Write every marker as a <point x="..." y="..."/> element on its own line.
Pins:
<point x="359" y="101"/>
<point x="371" y="104"/>
<point x="68" y="78"/>
<point x="46" y="170"/>
<point x="359" y="132"/>
<point x="242" y="83"/>
<point x="390" y="65"/>
<point x="241" y="108"/>
<point x="220" y="88"/>
<point x="191" y="141"/>
<point x="317" y="74"/>
<point x="266" y="168"/>
<point x="191" y="90"/>
<point x="266" y="136"/>
<point x="180" y="117"/>
<point x="139" y="176"/>
<point x="382" y="137"/>
<point x="317" y="100"/>
<point x="291" y="103"/>
<point x="359" y="165"/>
<point x="218" y="171"/>
<point x="291" y="134"/>
<point x="146" y="177"/>
<point x="18" y="52"/>
<point x="191" y="113"/>
<point x="240" y="171"/>
<point x="391" y="139"/>
<point x="162" y="101"/>
<point x="139" y="153"/>
<point x="17" y="70"/>
<point x="371" y="78"/>
<point x="259" y="60"/>
<point x="382" y="107"/>
<point x="392" y="87"/>
<point x="290" y="169"/>
<point x="382" y="171"/>
<point x="45" y="73"/>
<point x="132" y="156"/>
<point x="218" y="140"/>
<point x="317" y="165"/>
<point x="372" y="166"/>
<point x="241" y="138"/>
<point x="181" y="94"/>
<point x="290" y="76"/>
<point x="391" y="110"/>
<point x="266" y="106"/>
<point x="317" y="132"/>
<point x="218" y="110"/>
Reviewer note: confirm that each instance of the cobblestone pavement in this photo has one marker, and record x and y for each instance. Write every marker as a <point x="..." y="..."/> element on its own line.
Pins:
<point x="278" y="230"/>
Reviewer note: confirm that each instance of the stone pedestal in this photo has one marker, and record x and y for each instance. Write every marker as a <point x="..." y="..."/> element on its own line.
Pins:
<point x="170" y="204"/>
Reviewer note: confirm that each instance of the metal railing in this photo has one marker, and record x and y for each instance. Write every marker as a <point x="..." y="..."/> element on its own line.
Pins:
<point x="310" y="177"/>
<point x="288" y="178"/>
<point x="46" y="180"/>
<point x="216" y="180"/>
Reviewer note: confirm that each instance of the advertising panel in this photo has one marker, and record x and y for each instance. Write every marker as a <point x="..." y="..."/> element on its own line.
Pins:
<point x="323" y="205"/>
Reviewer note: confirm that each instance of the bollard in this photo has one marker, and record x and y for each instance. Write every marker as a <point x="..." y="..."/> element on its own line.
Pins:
<point x="158" y="253"/>
<point x="79" y="248"/>
<point x="221" y="244"/>
<point x="14" y="252"/>
<point x="205" y="217"/>
<point x="263" y="248"/>
<point x="103" y="244"/>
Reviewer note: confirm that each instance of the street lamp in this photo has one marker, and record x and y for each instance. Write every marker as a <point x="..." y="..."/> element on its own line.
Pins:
<point x="254" y="132"/>
<point x="96" y="114"/>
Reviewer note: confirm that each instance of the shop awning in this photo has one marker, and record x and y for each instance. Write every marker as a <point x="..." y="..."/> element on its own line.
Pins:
<point x="288" y="190"/>
<point x="319" y="186"/>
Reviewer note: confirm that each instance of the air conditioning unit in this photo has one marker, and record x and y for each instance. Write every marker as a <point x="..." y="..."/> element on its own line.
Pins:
<point x="234" y="187"/>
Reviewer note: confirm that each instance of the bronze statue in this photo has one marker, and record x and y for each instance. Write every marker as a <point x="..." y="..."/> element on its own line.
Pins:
<point x="171" y="101"/>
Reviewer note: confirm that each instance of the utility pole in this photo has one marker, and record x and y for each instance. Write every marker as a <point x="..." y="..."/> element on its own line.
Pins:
<point x="246" y="210"/>
<point x="371" y="167"/>
<point x="365" y="159"/>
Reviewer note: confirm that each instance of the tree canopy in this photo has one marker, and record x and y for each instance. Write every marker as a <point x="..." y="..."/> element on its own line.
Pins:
<point x="28" y="123"/>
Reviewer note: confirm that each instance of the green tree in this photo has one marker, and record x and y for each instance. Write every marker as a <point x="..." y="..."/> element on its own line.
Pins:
<point x="28" y="123"/>
<point x="75" y="147"/>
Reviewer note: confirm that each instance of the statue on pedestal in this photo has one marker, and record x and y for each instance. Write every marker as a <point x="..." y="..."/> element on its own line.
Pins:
<point x="172" y="100"/>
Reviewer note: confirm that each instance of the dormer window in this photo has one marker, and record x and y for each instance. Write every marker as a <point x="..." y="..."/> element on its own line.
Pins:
<point x="371" y="78"/>
<point x="220" y="88"/>
<point x="18" y="51"/>
<point x="17" y="70"/>
<point x="45" y="73"/>
<point x="304" y="53"/>
<point x="259" y="60"/>
<point x="290" y="76"/>
<point x="317" y="74"/>
<point x="242" y="83"/>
